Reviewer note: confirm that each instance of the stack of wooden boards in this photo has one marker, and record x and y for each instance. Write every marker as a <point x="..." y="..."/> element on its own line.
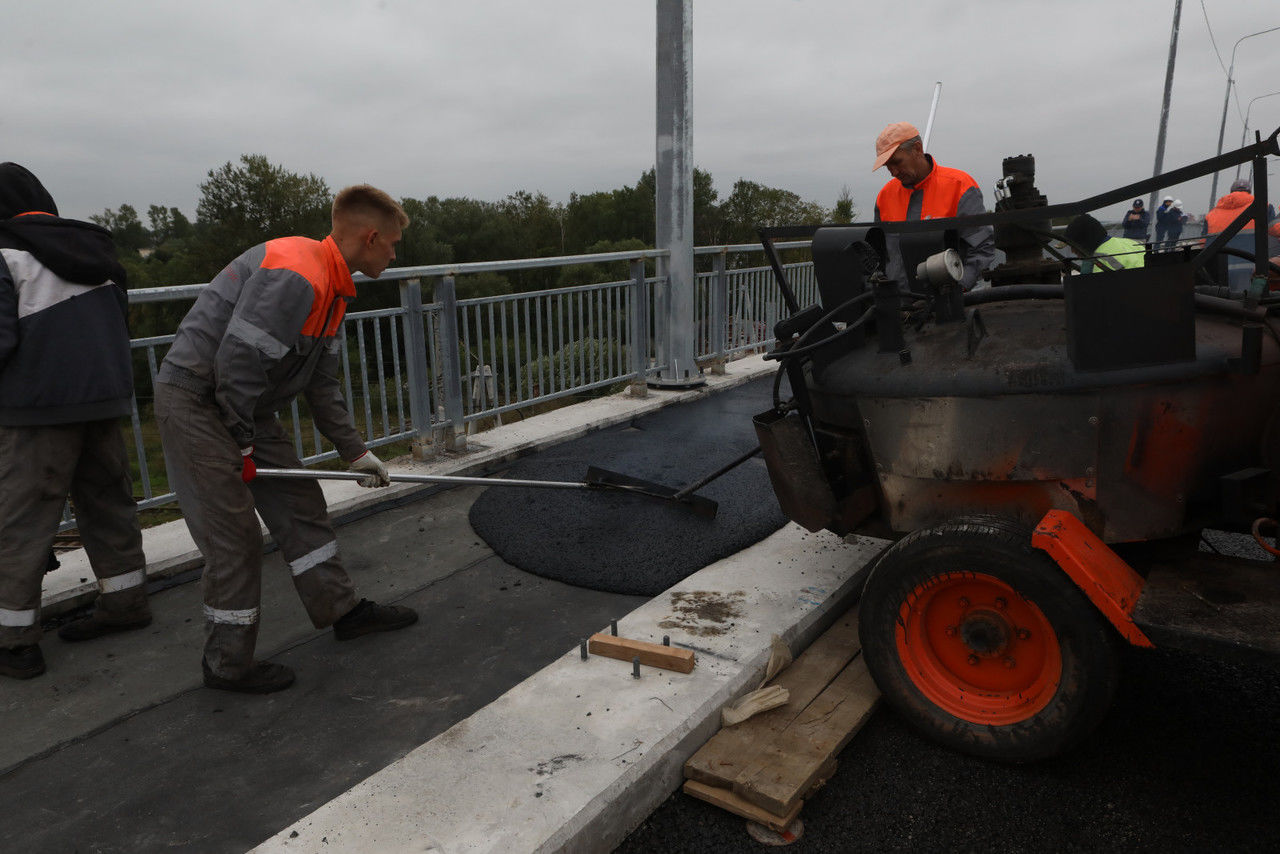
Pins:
<point x="763" y="768"/>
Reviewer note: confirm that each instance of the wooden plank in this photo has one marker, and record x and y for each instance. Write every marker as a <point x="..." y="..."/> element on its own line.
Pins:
<point x="651" y="654"/>
<point x="729" y="751"/>
<point x="727" y="800"/>
<point x="795" y="761"/>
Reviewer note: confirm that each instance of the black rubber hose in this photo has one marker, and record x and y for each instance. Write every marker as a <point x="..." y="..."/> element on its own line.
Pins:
<point x="1204" y="302"/>
<point x="1248" y="256"/>
<point x="780" y="355"/>
<point x="797" y="349"/>
<point x="1004" y="293"/>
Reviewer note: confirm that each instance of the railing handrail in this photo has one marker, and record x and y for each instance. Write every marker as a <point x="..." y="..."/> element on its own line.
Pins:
<point x="176" y="292"/>
<point x="428" y="372"/>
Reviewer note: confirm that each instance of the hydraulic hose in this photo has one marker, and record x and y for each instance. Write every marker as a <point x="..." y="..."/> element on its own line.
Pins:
<point x="797" y="349"/>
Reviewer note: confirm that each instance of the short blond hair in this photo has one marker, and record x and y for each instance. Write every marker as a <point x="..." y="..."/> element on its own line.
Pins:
<point x="363" y="201"/>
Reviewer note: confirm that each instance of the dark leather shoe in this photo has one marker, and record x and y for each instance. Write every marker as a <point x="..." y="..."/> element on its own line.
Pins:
<point x="22" y="662"/>
<point x="90" y="627"/>
<point x="369" y="617"/>
<point x="266" y="677"/>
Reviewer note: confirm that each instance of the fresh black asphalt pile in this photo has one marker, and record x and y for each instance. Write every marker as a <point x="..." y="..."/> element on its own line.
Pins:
<point x="622" y="543"/>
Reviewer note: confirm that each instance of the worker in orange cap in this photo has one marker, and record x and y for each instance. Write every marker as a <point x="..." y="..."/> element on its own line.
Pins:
<point x="921" y="189"/>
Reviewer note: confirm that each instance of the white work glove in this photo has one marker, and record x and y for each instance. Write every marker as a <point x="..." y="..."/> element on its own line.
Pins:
<point x="368" y="462"/>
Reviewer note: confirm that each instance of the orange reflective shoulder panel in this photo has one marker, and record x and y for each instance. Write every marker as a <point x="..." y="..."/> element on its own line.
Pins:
<point x="300" y="255"/>
<point x="307" y="258"/>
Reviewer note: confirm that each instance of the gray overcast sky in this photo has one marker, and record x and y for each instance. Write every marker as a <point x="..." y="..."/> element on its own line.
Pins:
<point x="134" y="102"/>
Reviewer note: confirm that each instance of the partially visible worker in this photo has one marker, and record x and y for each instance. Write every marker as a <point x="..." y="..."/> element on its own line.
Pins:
<point x="267" y="328"/>
<point x="66" y="380"/>
<point x="1178" y="218"/>
<point x="922" y="189"/>
<point x="1166" y="215"/>
<point x="1273" y="248"/>
<point x="1105" y="252"/>
<point x="1136" y="222"/>
<point x="1230" y="206"/>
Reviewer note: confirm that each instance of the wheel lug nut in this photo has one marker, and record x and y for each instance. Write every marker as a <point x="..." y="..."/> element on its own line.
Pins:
<point x="1009" y="662"/>
<point x="1001" y="603"/>
<point x="964" y="601"/>
<point x="952" y="631"/>
<point x="1023" y="634"/>
<point x="973" y="659"/>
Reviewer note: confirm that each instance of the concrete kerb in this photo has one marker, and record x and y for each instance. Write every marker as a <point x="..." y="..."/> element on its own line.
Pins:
<point x="170" y="550"/>
<point x="576" y="756"/>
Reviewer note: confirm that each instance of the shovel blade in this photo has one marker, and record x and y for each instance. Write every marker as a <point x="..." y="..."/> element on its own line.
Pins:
<point x="616" y="481"/>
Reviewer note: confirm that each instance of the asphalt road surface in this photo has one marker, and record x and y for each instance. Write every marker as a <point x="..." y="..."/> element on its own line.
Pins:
<point x="622" y="543"/>
<point x="1187" y="760"/>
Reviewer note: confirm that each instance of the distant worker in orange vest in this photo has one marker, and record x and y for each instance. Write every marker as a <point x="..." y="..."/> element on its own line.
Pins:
<point x="921" y="189"/>
<point x="1228" y="208"/>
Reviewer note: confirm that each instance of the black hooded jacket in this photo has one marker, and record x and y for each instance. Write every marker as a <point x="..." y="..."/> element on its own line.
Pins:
<point x="64" y="335"/>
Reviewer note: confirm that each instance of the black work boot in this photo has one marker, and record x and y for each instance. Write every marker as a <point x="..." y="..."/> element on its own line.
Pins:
<point x="93" y="626"/>
<point x="22" y="662"/>
<point x="369" y="617"/>
<point x="265" y="677"/>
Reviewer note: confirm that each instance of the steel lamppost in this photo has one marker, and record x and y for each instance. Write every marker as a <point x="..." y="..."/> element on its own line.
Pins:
<point x="1213" y="192"/>
<point x="1245" y="130"/>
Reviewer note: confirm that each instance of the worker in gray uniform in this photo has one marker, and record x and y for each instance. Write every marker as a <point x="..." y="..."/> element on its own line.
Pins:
<point x="66" y="379"/>
<point x="267" y="328"/>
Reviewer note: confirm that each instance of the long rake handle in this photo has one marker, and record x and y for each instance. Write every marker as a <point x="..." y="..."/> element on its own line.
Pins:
<point x="308" y="474"/>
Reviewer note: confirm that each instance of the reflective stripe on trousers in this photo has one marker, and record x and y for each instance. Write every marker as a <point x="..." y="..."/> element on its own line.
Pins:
<point x="244" y="617"/>
<point x="17" y="619"/>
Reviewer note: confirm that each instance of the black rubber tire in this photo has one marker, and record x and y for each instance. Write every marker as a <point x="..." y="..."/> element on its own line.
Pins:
<point x="991" y="546"/>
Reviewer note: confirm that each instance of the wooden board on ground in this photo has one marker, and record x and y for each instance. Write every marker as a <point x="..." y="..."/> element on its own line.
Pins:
<point x="723" y="758"/>
<point x="792" y="765"/>
<point x="650" y="654"/>
<point x="772" y="761"/>
<point x="727" y="800"/>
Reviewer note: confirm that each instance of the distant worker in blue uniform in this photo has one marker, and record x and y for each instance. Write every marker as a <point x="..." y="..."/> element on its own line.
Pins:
<point x="1137" y="222"/>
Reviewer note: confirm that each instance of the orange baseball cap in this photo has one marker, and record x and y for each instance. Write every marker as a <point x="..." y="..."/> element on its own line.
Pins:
<point x="889" y="140"/>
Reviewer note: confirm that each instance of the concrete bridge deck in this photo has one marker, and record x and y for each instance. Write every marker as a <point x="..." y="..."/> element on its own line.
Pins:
<point x="478" y="729"/>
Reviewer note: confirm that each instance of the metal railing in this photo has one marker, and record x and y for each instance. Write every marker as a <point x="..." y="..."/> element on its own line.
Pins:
<point x="428" y="372"/>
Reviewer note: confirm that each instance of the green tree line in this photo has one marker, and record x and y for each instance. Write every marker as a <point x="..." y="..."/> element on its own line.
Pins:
<point x="242" y="204"/>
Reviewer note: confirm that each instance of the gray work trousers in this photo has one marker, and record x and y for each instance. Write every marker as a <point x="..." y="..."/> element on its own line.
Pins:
<point x="204" y="466"/>
<point x="39" y="467"/>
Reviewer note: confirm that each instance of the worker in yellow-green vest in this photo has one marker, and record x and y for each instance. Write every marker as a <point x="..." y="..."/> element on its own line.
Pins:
<point x="1104" y="252"/>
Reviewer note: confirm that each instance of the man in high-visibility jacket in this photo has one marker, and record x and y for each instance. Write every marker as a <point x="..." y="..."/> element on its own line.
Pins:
<point x="1230" y="206"/>
<point x="921" y="189"/>
<point x="1107" y="252"/>
<point x="268" y="327"/>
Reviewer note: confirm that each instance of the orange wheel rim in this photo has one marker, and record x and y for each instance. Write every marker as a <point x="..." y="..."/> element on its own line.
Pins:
<point x="978" y="649"/>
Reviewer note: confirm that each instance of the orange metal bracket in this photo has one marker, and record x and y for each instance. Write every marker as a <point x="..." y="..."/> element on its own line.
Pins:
<point x="1109" y="582"/>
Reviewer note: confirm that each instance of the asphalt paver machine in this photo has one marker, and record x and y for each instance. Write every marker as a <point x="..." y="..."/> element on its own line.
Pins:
<point x="1045" y="454"/>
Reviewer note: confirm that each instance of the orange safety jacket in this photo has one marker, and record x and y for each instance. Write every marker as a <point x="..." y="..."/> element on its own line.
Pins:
<point x="1228" y="208"/>
<point x="944" y="192"/>
<point x="940" y="194"/>
<point x="267" y="328"/>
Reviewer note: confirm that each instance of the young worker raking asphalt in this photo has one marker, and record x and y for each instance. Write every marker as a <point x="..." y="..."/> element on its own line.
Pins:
<point x="266" y="328"/>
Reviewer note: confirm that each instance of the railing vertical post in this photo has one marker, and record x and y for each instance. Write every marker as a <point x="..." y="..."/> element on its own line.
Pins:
<point x="719" y="303"/>
<point x="453" y="434"/>
<point x="639" y="334"/>
<point x="415" y="354"/>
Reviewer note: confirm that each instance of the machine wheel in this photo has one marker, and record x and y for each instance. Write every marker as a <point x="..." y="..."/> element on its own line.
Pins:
<point x="983" y="643"/>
